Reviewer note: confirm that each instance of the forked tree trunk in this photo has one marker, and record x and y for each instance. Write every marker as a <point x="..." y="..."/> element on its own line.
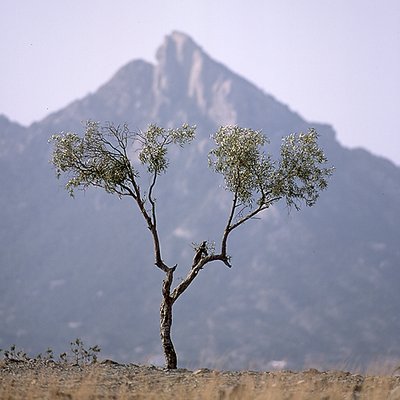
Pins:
<point x="169" y="299"/>
<point x="165" y="332"/>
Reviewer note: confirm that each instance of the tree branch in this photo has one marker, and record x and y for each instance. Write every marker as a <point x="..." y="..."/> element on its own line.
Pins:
<point x="228" y="224"/>
<point x="194" y="272"/>
<point x="157" y="247"/>
<point x="129" y="190"/>
<point x="156" y="241"/>
<point x="151" y="220"/>
<point x="152" y="201"/>
<point x="263" y="206"/>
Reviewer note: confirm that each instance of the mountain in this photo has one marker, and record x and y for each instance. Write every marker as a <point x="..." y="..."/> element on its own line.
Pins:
<point x="311" y="288"/>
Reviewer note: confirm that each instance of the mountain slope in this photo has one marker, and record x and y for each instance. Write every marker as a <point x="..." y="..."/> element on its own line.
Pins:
<point x="317" y="287"/>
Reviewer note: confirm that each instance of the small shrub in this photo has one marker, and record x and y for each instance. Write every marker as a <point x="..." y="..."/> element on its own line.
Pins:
<point x="13" y="354"/>
<point x="48" y="356"/>
<point x="81" y="355"/>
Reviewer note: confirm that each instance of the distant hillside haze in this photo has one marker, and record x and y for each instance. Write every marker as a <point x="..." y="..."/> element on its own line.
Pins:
<point x="315" y="288"/>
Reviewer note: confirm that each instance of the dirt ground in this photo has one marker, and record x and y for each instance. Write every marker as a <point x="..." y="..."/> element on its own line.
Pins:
<point x="108" y="380"/>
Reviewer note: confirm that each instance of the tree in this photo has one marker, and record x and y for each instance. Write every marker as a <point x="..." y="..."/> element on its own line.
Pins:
<point x="110" y="157"/>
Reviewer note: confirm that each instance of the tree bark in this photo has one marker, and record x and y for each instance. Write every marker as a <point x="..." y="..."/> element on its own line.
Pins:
<point x="171" y="360"/>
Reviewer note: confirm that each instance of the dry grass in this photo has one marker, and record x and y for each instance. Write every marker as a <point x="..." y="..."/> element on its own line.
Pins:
<point x="110" y="381"/>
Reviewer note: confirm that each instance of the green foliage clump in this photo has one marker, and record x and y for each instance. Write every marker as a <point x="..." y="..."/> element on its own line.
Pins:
<point x="239" y="158"/>
<point x="101" y="157"/>
<point x="155" y="141"/>
<point x="253" y="176"/>
<point x="301" y="174"/>
<point x="96" y="159"/>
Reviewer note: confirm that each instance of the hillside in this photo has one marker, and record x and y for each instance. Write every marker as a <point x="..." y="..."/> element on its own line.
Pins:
<point x="315" y="288"/>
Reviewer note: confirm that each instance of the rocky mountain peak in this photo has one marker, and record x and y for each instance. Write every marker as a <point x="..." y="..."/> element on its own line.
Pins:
<point x="177" y="47"/>
<point x="180" y="63"/>
<point x="185" y="85"/>
<point x="185" y="74"/>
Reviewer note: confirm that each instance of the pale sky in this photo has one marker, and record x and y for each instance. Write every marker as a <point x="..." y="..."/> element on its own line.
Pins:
<point x="332" y="61"/>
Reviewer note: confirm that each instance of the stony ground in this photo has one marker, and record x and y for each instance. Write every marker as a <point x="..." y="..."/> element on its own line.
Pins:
<point x="109" y="380"/>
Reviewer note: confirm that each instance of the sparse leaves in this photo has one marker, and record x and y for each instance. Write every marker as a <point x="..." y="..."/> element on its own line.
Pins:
<point x="254" y="178"/>
<point x="301" y="173"/>
<point x="99" y="158"/>
<point x="154" y="145"/>
<point x="239" y="158"/>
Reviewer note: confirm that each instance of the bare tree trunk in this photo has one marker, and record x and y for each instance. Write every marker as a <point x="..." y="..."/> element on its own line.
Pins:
<point x="166" y="320"/>
<point x="165" y="332"/>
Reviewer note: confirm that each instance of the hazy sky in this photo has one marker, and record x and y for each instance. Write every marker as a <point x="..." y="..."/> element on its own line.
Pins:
<point x="333" y="61"/>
